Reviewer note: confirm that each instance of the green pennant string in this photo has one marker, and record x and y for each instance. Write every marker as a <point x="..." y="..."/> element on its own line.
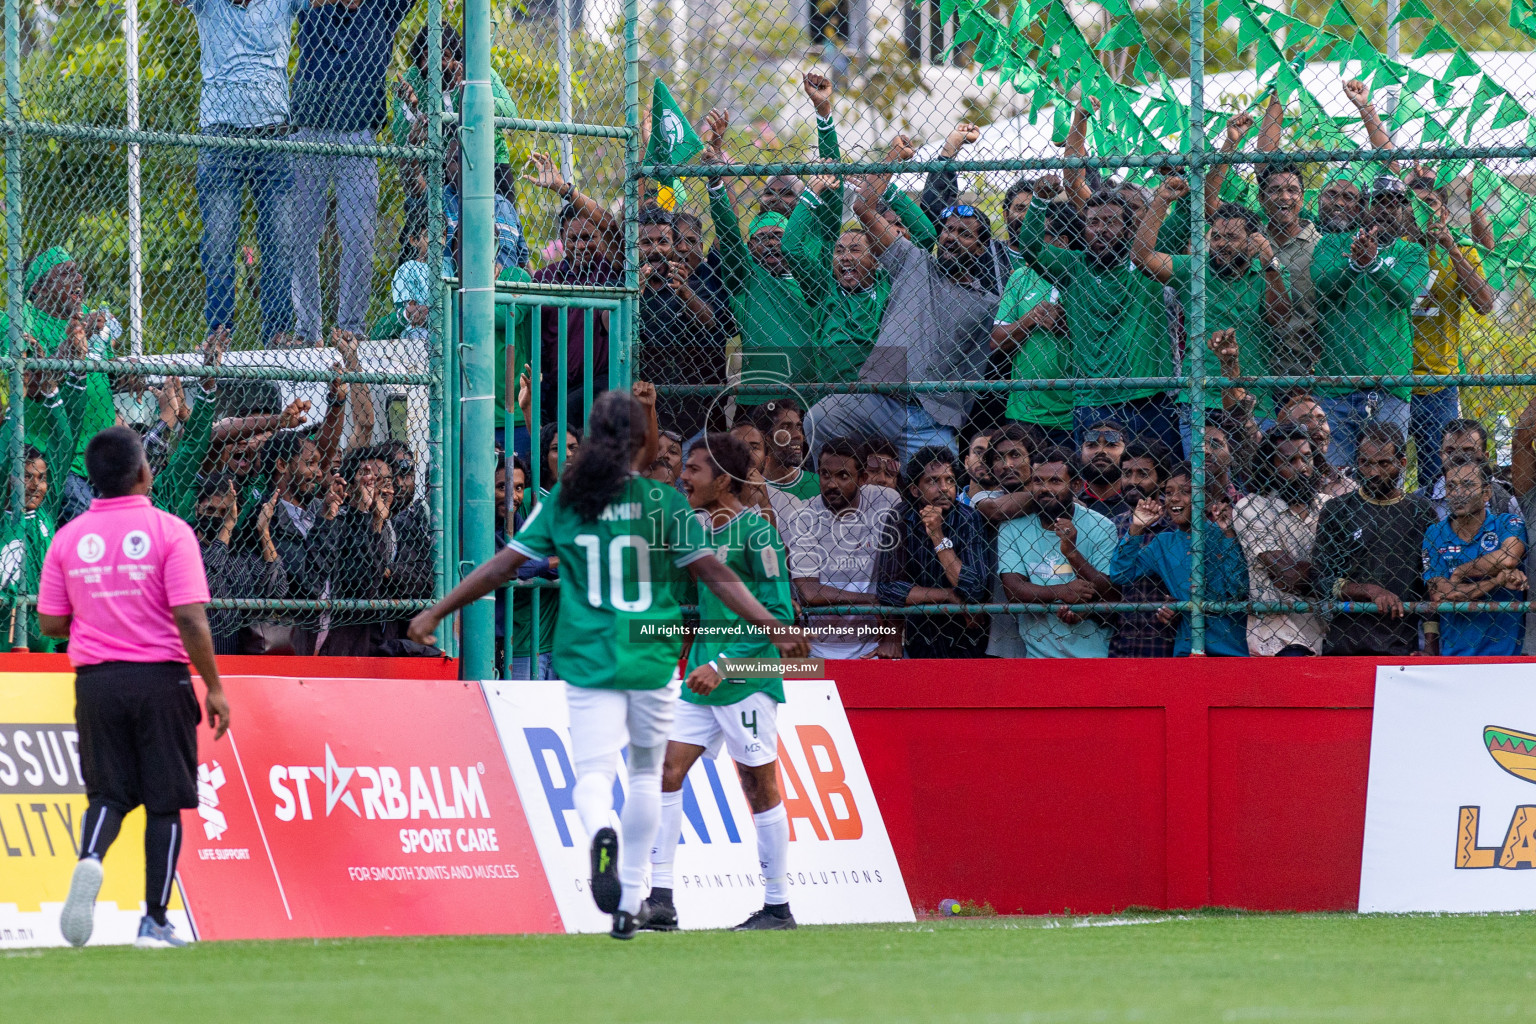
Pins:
<point x="1462" y="66"/>
<point x="1422" y="214"/>
<point x="1250" y="30"/>
<point x="1487" y="92"/>
<point x="1268" y="56"/>
<point x="1522" y="16"/>
<point x="1125" y="32"/>
<point x="1444" y="89"/>
<point x="1413" y="80"/>
<point x="1449" y="171"/>
<point x="1021" y="20"/>
<point x="1338" y="17"/>
<point x="1061" y="124"/>
<point x="1408" y="109"/>
<point x="1437" y="39"/>
<point x="1146" y="66"/>
<point x="1368" y="56"/>
<point x="1413" y="9"/>
<point x="1433" y="132"/>
<point x="1509" y="112"/>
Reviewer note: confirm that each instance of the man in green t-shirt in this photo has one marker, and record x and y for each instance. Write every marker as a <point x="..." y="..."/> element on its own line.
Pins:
<point x="1117" y="324"/>
<point x="1246" y="287"/>
<point x="1367" y="283"/>
<point x="718" y="706"/>
<point x="624" y="543"/>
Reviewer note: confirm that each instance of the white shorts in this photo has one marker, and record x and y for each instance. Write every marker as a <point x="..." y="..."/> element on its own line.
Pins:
<point x="749" y="728"/>
<point x="603" y="722"/>
<point x="843" y="650"/>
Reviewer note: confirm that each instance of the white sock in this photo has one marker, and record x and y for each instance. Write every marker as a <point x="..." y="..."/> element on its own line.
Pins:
<point x="773" y="852"/>
<point x="638" y="823"/>
<point x="667" y="836"/>
<point x="593" y="793"/>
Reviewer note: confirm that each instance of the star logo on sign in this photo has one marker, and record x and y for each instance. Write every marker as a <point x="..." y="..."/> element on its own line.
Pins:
<point x="336" y="780"/>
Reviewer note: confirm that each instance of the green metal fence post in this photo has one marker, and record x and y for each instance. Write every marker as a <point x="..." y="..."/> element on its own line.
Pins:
<point x="14" y="299"/>
<point x="477" y="311"/>
<point x="1194" y="337"/>
<point x="621" y="345"/>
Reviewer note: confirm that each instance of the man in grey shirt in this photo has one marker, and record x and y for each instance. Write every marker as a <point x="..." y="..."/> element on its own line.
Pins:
<point x="937" y="326"/>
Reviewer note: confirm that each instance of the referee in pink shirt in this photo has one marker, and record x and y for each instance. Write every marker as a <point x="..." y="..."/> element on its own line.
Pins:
<point x="124" y="583"/>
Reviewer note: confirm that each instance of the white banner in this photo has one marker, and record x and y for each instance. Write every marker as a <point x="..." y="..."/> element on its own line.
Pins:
<point x="841" y="867"/>
<point x="1450" y="815"/>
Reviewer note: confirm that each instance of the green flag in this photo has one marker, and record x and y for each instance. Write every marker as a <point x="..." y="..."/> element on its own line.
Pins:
<point x="673" y="140"/>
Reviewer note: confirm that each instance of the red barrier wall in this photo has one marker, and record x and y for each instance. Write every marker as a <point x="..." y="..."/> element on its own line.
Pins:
<point x="274" y="665"/>
<point x="1090" y="786"/>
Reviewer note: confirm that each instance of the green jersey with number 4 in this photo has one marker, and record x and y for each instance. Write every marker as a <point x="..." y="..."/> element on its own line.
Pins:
<point x="620" y="580"/>
<point x="751" y="547"/>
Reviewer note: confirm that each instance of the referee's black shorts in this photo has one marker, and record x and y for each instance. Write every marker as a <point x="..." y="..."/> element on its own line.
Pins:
<point x="138" y="735"/>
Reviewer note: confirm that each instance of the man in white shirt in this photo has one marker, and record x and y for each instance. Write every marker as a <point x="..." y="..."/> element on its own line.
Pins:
<point x="833" y="539"/>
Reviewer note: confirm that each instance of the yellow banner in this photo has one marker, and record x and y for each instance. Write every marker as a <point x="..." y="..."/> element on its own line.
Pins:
<point x="42" y="798"/>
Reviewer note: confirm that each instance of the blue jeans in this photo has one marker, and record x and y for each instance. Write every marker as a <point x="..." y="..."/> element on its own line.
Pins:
<point x="521" y="666"/>
<point x="1348" y="413"/>
<point x="1427" y="417"/>
<point x="223" y="175"/>
<point x="1154" y="418"/>
<point x="867" y="416"/>
<point x="356" y="181"/>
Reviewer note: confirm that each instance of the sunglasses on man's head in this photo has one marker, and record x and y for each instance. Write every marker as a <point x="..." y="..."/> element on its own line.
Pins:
<point x="1103" y="437"/>
<point x="889" y="465"/>
<point x="959" y="211"/>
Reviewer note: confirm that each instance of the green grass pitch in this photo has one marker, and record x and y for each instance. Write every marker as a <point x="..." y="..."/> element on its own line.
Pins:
<point x="1202" y="967"/>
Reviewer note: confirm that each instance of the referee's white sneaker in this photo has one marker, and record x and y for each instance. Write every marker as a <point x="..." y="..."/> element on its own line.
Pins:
<point x="157" y="936"/>
<point x="78" y="918"/>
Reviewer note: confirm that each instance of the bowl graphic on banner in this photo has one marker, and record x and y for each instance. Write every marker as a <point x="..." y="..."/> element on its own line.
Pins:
<point x="841" y="866"/>
<point x="1514" y="751"/>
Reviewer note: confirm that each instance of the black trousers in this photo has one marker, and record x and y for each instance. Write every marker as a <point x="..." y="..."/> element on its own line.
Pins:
<point x="138" y="735"/>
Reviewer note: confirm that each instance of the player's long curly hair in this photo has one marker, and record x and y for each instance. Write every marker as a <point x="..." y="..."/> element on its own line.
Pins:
<point x="615" y="432"/>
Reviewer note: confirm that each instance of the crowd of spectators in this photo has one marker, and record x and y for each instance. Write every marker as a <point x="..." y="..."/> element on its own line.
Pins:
<point x="1052" y="496"/>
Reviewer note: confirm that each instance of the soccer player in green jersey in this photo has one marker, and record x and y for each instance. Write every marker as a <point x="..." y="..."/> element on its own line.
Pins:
<point x="624" y="543"/>
<point x="739" y="712"/>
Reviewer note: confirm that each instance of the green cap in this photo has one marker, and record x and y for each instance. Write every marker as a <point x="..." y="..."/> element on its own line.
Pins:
<point x="767" y="220"/>
<point x="45" y="262"/>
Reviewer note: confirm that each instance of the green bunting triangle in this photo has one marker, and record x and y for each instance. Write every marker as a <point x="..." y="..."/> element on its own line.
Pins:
<point x="1413" y="9"/>
<point x="1438" y="39"/>
<point x="1509" y="112"/>
<point x="1125" y="32"/>
<point x="1462" y="66"/>
<point x="1338" y="16"/>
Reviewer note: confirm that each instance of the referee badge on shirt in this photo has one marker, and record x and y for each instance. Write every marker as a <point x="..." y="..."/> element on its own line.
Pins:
<point x="136" y="544"/>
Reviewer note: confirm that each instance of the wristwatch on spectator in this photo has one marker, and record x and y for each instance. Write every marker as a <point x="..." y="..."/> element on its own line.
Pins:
<point x="1274" y="264"/>
<point x="944" y="545"/>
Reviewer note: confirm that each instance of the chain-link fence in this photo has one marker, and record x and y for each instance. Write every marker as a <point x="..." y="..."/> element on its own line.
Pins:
<point x="227" y="225"/>
<point x="1040" y="344"/>
<point x="1098" y="329"/>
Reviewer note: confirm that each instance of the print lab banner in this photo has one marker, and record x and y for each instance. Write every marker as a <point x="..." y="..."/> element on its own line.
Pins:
<point x="42" y="798"/>
<point x="1450" y="816"/>
<point x="841" y="867"/>
<point x="340" y="807"/>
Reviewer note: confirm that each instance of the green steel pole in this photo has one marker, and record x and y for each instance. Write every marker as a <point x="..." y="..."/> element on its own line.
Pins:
<point x="438" y="318"/>
<point x="477" y="273"/>
<point x="621" y="343"/>
<point x="13" y="281"/>
<point x="1194" y="337"/>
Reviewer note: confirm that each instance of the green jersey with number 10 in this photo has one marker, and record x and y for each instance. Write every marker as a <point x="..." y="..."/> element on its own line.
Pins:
<point x="750" y="546"/>
<point x="620" y="582"/>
